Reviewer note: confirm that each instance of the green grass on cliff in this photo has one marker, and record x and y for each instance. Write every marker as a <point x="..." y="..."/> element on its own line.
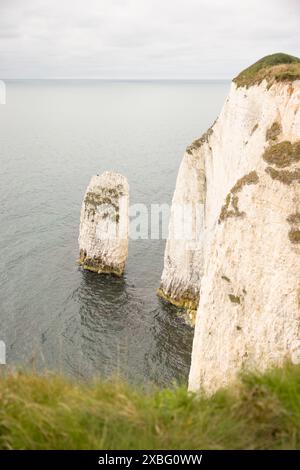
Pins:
<point x="49" y="412"/>
<point x="273" y="68"/>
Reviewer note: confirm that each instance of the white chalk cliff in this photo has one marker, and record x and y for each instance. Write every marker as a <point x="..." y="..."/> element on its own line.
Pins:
<point x="183" y="260"/>
<point x="245" y="268"/>
<point x="103" y="235"/>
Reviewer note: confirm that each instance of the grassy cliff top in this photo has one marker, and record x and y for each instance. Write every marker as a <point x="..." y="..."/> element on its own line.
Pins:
<point x="50" y="412"/>
<point x="274" y="68"/>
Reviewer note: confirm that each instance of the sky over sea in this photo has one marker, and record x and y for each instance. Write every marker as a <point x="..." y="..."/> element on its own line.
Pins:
<point x="143" y="39"/>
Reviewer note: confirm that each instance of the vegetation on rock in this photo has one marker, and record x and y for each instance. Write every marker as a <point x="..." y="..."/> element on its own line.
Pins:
<point x="294" y="236"/>
<point x="273" y="68"/>
<point x="199" y="142"/>
<point x="282" y="154"/>
<point x="188" y="299"/>
<point x="284" y="176"/>
<point x="235" y="299"/>
<point x="273" y="132"/>
<point x="230" y="208"/>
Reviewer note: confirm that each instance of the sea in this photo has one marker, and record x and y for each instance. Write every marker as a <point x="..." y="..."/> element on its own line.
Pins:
<point x="54" y="135"/>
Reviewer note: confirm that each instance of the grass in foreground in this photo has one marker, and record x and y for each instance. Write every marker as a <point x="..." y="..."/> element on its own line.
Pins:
<point x="48" y="412"/>
<point x="273" y="68"/>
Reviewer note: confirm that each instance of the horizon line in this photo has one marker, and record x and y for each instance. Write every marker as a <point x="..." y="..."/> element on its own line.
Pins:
<point x="121" y="79"/>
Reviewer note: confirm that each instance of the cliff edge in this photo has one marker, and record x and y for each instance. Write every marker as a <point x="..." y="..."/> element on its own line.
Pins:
<point x="245" y="265"/>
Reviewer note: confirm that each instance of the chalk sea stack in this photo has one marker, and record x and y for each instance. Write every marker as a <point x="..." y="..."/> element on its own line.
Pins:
<point x="244" y="271"/>
<point x="103" y="234"/>
<point x="183" y="260"/>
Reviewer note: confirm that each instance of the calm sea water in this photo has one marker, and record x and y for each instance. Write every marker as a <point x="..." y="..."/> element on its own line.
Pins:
<point x="53" y="136"/>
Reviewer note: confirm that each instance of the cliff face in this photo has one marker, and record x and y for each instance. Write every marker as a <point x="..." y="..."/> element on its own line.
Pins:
<point x="103" y="235"/>
<point x="249" y="268"/>
<point x="183" y="261"/>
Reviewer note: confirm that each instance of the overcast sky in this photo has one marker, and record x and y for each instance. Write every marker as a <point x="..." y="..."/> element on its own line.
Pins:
<point x="194" y="39"/>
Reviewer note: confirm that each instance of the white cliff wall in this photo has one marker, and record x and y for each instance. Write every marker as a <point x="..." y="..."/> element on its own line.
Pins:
<point x="249" y="310"/>
<point x="243" y="258"/>
<point x="183" y="260"/>
<point x="104" y="219"/>
<point x="202" y="184"/>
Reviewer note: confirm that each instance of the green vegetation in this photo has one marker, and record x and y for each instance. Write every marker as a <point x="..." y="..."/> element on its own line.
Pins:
<point x="49" y="412"/>
<point x="274" y="131"/>
<point x="294" y="233"/>
<point x="232" y="198"/>
<point x="284" y="176"/>
<point x="108" y="197"/>
<point x="250" y="178"/>
<point x="199" y="142"/>
<point x="235" y="299"/>
<point x="97" y="265"/>
<point x="294" y="218"/>
<point x="274" y="68"/>
<point x="188" y="300"/>
<point x="294" y="236"/>
<point x="283" y="154"/>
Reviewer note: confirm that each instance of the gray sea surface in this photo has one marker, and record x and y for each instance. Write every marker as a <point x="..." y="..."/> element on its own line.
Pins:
<point x="54" y="135"/>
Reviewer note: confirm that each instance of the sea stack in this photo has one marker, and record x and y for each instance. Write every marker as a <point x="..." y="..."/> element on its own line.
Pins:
<point x="104" y="220"/>
<point x="248" y="316"/>
<point x="183" y="260"/>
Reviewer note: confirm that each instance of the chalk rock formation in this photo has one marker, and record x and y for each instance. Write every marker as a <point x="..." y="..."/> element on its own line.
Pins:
<point x="249" y="309"/>
<point x="183" y="261"/>
<point x="103" y="235"/>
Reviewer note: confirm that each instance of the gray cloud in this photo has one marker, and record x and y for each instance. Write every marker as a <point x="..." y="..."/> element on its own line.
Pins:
<point x="142" y="38"/>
